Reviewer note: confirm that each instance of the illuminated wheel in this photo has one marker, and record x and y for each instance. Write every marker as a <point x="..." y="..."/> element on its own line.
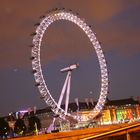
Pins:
<point x="36" y="64"/>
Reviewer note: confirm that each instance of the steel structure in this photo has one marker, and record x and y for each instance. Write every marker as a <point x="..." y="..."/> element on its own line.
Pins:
<point x="66" y="86"/>
<point x="36" y="64"/>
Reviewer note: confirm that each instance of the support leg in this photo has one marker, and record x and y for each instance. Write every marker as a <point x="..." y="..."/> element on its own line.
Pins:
<point x="68" y="93"/>
<point x="63" y="91"/>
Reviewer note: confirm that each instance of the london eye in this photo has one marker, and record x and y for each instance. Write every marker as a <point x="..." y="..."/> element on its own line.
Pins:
<point x="46" y="21"/>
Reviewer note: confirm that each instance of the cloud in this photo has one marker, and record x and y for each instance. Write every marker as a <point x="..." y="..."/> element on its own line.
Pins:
<point x="18" y="17"/>
<point x="122" y="32"/>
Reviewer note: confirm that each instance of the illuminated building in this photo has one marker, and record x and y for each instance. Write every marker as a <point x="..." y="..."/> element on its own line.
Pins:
<point x="114" y="112"/>
<point x="120" y="111"/>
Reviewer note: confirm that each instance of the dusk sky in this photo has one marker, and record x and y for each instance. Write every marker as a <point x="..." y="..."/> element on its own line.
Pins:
<point x="117" y="26"/>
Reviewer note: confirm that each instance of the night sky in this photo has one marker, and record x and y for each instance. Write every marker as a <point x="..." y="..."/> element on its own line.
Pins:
<point x="117" y="26"/>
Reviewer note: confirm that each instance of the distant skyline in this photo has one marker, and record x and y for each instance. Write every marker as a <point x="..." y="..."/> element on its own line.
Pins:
<point x="116" y="23"/>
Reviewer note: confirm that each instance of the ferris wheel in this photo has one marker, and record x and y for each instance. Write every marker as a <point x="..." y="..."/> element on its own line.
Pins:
<point x="37" y="69"/>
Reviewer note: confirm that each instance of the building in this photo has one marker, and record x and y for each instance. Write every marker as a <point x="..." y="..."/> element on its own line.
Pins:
<point x="120" y="111"/>
<point x="114" y="112"/>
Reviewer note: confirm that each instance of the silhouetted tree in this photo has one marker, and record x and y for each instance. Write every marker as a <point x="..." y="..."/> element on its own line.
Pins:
<point x="19" y="127"/>
<point x="4" y="128"/>
<point x="34" y="123"/>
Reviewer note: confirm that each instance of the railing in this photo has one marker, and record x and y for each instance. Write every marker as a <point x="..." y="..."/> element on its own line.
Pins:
<point x="125" y="130"/>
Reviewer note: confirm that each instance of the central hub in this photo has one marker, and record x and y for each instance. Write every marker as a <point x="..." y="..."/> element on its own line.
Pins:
<point x="70" y="68"/>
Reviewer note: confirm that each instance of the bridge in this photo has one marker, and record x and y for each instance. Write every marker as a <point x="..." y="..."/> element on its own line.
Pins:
<point x="127" y="131"/>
